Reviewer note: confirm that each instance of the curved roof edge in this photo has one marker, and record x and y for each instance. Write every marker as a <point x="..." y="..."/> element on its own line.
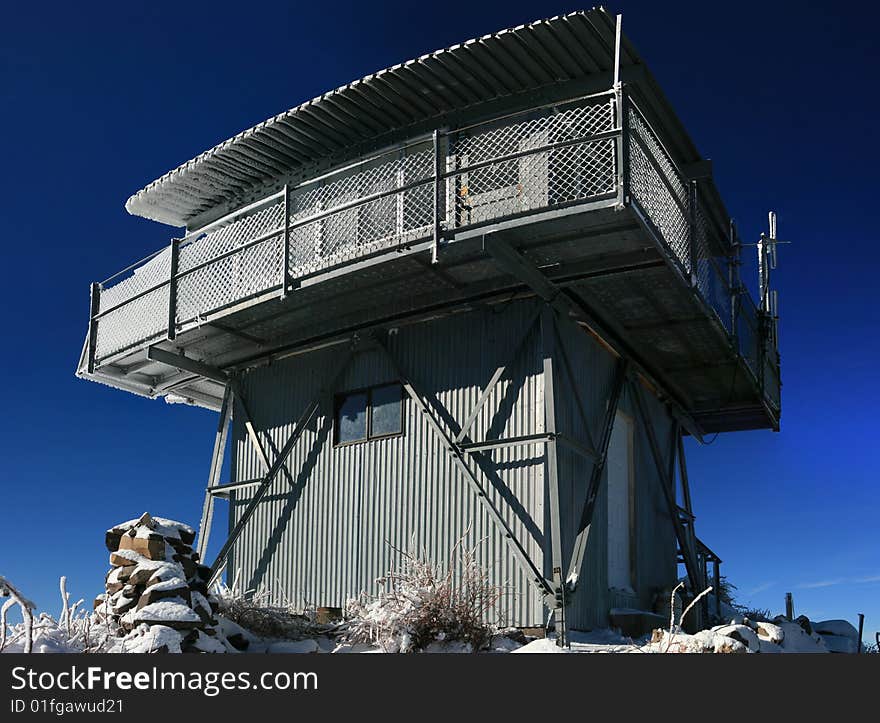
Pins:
<point x="557" y="51"/>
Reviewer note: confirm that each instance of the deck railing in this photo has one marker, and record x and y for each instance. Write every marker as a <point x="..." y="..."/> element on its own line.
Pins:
<point x="422" y="192"/>
<point x="675" y="211"/>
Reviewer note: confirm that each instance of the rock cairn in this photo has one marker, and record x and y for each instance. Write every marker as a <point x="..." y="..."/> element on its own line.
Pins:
<point x="156" y="591"/>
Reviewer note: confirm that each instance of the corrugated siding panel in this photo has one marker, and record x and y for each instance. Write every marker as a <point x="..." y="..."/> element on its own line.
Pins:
<point x="352" y="506"/>
<point x="593" y="369"/>
<point x="654" y="539"/>
<point x="655" y="565"/>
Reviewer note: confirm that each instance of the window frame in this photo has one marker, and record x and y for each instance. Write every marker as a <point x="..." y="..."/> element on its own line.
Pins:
<point x="340" y="397"/>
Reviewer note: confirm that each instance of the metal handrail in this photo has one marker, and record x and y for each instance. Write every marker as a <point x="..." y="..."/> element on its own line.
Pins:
<point x="620" y="129"/>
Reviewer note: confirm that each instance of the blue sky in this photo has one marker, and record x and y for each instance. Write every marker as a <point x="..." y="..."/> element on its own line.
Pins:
<point x="99" y="100"/>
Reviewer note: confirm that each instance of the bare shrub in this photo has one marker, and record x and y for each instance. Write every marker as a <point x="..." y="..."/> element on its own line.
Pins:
<point x="255" y="611"/>
<point x="7" y="589"/>
<point x="75" y="630"/>
<point x="422" y="603"/>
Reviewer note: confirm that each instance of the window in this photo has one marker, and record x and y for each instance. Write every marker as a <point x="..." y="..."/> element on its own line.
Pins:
<point x="371" y="413"/>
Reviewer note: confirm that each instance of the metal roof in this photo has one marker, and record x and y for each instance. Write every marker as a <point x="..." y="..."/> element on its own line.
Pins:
<point x="545" y="53"/>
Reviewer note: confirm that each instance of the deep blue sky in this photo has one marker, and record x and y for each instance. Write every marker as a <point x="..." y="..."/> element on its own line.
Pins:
<point x="99" y="100"/>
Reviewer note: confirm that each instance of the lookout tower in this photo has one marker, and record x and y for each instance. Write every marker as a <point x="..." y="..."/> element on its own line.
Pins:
<point x="484" y="292"/>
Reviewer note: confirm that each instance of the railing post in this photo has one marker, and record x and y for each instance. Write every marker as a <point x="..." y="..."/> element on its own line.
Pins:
<point x="622" y="142"/>
<point x="716" y="574"/>
<point x="285" y="262"/>
<point x="438" y="207"/>
<point x="733" y="277"/>
<point x="172" y="290"/>
<point x="692" y="229"/>
<point x="622" y="146"/>
<point x="94" y="309"/>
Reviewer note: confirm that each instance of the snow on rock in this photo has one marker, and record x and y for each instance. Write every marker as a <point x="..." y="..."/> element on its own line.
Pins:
<point x="147" y="523"/>
<point x="840" y="643"/>
<point x="704" y="641"/>
<point x="153" y="583"/>
<point x="836" y="627"/>
<point x="448" y="646"/>
<point x="541" y="645"/>
<point x="171" y="612"/>
<point x="309" y="645"/>
<point x="150" y="639"/>
<point x="503" y="644"/>
<point x="769" y="632"/>
<point x="208" y="644"/>
<point x="798" y="640"/>
<point x="173" y="582"/>
<point x="742" y="633"/>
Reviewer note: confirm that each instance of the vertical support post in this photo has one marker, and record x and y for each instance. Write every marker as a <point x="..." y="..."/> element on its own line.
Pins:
<point x="285" y="261"/>
<point x="618" y="27"/>
<point x="94" y="310"/>
<point x="692" y="229"/>
<point x="861" y="632"/>
<point x="716" y="581"/>
<point x="172" y="290"/>
<point x="438" y="206"/>
<point x="685" y="480"/>
<point x="621" y="142"/>
<point x="548" y="343"/>
<point x="733" y="279"/>
<point x="681" y="537"/>
<point x="216" y="469"/>
<point x="586" y="521"/>
<point x="789" y="606"/>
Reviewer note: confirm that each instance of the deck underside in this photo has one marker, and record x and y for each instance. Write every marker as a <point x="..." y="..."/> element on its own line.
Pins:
<point x="604" y="256"/>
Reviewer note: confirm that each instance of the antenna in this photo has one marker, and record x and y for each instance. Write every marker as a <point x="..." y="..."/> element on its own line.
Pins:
<point x="772" y="240"/>
<point x="767" y="261"/>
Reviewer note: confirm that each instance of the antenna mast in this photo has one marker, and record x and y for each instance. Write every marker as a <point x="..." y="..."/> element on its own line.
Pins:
<point x="766" y="263"/>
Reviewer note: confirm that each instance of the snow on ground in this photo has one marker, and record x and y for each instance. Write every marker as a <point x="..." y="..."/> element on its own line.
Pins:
<point x="781" y="637"/>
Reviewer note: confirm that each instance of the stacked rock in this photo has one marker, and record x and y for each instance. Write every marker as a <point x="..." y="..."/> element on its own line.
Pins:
<point x="156" y="586"/>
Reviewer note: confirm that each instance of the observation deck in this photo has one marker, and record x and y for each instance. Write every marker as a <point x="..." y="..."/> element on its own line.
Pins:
<point x="379" y="204"/>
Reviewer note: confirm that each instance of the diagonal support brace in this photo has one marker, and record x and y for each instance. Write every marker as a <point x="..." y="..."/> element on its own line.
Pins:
<point x="185" y="363"/>
<point x="496" y="377"/>
<point x="586" y="520"/>
<point x="667" y="485"/>
<point x="457" y="456"/>
<point x="258" y="446"/>
<point x="276" y="466"/>
<point x="569" y="304"/>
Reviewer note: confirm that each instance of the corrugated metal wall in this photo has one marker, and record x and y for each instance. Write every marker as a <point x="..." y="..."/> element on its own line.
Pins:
<point x="352" y="507"/>
<point x="653" y="539"/>
<point x="336" y="531"/>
